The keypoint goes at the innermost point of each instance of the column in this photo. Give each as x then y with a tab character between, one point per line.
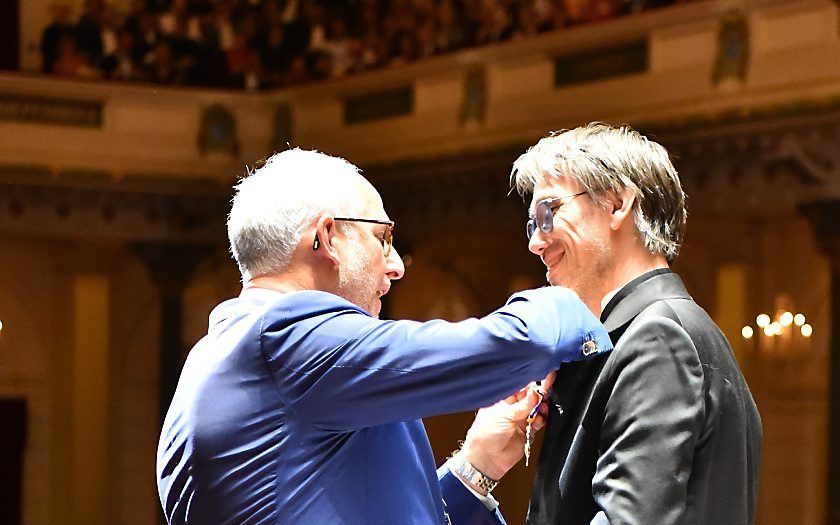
171	267
824	217
731	304
90	401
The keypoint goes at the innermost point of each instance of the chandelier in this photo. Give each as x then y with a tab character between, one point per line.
781	335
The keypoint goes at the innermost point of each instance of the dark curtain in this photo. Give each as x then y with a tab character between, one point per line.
12	443
9	34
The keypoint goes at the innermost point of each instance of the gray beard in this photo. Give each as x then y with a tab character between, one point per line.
357	284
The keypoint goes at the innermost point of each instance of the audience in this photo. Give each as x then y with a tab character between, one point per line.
257	44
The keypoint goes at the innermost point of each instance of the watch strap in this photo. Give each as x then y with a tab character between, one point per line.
472	475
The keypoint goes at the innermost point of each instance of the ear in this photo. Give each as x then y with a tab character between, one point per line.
622	207
324	245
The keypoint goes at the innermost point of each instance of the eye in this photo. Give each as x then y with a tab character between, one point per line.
383	237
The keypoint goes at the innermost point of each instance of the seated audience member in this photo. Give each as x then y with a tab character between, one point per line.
70	62
121	64
60	26
89	32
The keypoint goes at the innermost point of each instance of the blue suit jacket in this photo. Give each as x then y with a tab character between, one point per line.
301	408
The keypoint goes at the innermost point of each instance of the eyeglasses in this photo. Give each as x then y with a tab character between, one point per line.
387	238
544	215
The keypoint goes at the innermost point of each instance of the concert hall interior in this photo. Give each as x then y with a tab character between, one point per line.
125	123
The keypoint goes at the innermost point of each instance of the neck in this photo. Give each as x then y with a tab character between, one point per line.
625	270
288	281
305	271
273	282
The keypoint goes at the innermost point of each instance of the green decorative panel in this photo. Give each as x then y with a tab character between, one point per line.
474	102
218	131
733	49
49	110
601	64
379	105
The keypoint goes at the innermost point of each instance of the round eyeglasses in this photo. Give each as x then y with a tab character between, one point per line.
544	215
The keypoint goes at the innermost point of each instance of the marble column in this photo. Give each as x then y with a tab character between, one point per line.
90	402
824	217
171	266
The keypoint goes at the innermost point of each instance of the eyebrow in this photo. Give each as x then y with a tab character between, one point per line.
535	201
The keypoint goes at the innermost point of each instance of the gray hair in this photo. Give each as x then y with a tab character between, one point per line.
274	204
605	160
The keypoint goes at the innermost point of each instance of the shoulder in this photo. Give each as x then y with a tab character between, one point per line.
656	338
292	308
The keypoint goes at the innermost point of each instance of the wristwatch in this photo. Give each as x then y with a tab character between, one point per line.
472	475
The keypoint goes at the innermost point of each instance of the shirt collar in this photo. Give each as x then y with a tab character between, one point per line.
610	300
607	298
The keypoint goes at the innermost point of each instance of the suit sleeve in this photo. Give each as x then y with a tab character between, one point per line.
462	507
651	424
346	370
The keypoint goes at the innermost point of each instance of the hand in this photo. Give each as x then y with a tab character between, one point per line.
496	439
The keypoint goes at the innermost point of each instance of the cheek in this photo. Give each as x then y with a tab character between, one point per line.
567	232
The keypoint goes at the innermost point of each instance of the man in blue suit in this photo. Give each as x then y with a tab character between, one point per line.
300	406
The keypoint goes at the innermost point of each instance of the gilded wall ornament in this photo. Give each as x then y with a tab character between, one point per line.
474	102
218	131
733	49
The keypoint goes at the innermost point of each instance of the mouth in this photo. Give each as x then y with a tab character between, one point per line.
383	291
552	262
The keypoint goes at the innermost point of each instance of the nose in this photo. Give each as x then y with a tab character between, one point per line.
394	268
537	243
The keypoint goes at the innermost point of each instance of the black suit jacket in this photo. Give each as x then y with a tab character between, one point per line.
662	430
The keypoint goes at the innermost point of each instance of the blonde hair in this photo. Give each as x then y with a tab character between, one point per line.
605	160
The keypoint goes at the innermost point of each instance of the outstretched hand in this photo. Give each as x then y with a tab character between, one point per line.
496	440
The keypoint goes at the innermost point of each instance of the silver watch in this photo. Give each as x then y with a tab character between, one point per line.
472	475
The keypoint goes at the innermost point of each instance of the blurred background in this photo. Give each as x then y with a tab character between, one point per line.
124	123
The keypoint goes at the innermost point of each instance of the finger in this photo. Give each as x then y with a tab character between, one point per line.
538	422
519	396
523	408
542	417
548	381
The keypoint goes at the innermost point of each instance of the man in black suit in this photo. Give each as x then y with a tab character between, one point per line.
664	429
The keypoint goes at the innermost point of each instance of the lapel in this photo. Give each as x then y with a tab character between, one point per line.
655	288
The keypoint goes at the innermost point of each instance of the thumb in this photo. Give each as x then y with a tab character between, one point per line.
520	410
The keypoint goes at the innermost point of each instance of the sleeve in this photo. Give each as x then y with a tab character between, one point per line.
651	424
461	505
347	370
